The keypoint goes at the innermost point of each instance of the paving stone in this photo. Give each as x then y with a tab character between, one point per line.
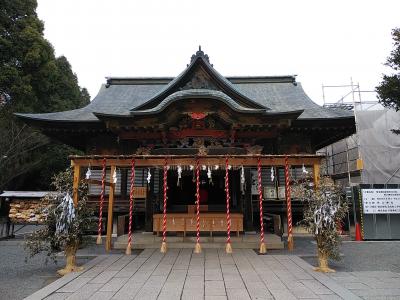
74	285
85	291
128	291
237	294
283	294
316	287
324	279
102	295
257	290
213	274
58	296
378	292
214	288
215	298
103	277
193	294
194	282
177	275
114	284
234	284
330	297
151	288
355	285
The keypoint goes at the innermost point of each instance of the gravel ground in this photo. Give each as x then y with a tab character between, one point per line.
355	256
19	278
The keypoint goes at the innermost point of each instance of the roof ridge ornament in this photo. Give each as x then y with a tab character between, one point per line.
200	53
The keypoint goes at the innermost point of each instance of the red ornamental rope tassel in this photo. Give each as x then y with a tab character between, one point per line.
164	243
228	248
103	181
197	248
131	194
263	248
289	205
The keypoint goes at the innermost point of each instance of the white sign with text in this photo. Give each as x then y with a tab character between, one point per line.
381	201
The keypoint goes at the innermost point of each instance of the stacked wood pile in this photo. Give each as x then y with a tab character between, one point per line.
27	211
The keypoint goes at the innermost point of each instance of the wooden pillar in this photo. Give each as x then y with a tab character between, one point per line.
248	209
316	175
110	211
149	201
77	176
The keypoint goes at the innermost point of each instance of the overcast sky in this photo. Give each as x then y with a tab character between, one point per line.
323	42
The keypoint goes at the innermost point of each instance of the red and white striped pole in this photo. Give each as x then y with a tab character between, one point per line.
263	248
197	248
103	184
164	243
289	206
131	197
228	247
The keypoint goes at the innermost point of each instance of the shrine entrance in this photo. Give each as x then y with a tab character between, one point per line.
182	191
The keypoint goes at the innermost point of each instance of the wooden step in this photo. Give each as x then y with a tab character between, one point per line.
143	241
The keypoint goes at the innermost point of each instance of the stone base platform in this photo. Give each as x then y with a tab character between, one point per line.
141	240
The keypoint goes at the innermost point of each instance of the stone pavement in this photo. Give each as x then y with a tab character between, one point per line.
213	274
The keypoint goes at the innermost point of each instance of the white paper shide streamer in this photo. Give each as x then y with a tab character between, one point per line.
88	173
209	175
179	175
272	174
148	176
114	176
67	215
324	216
304	170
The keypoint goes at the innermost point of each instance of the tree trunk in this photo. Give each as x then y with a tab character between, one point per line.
323	263
70	255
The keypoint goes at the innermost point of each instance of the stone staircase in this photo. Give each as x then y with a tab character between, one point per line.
147	240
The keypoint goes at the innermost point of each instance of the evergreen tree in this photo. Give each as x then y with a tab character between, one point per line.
32	80
389	89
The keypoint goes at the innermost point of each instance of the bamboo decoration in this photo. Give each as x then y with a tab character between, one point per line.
132	191
263	248
103	181
228	248
197	248
289	206
164	243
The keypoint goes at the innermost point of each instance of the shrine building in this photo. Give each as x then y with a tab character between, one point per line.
199	154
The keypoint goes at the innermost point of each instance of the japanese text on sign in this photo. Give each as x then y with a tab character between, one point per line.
381	201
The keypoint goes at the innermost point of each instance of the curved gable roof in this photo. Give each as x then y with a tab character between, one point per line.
200	60
128	96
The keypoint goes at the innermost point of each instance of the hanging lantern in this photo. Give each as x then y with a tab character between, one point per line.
216	167
88	173
103	181
131	197
191	167
164	243
204	167
228	247
263	248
